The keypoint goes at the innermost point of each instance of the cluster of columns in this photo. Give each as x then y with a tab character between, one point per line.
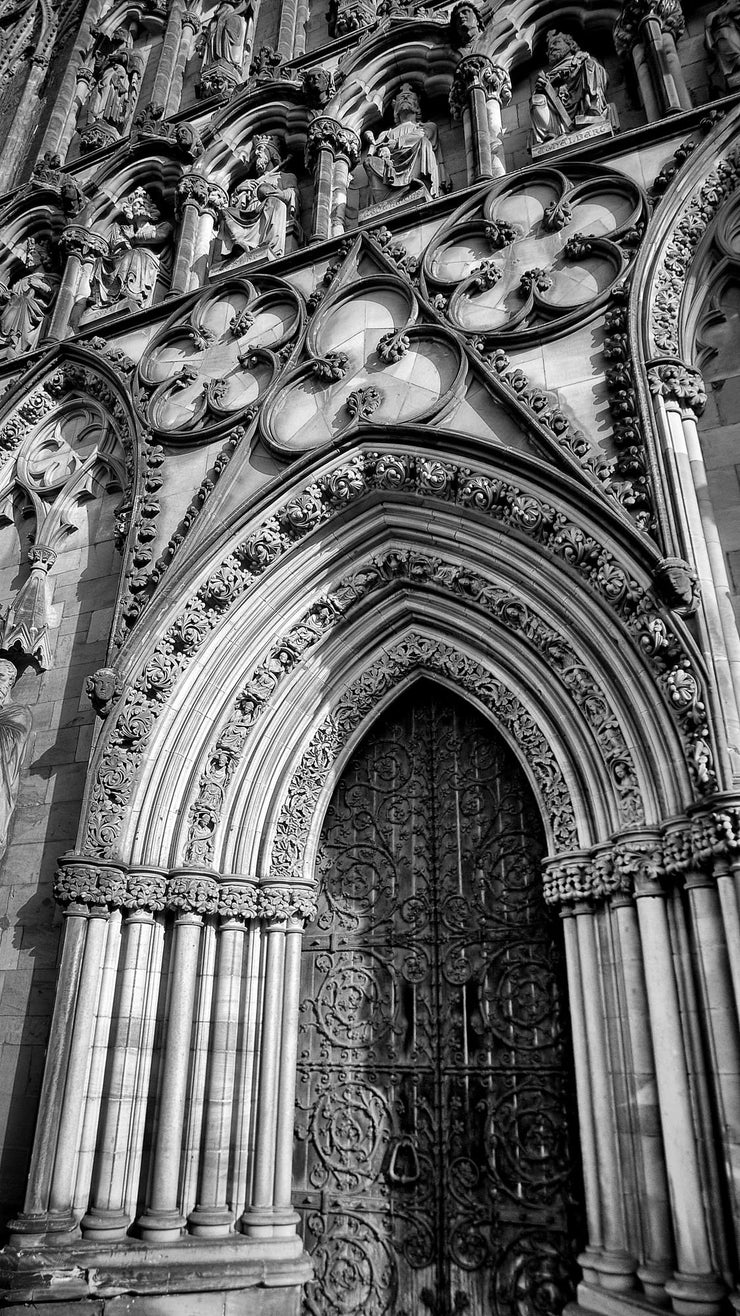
185	985
480	90
650	922
646	34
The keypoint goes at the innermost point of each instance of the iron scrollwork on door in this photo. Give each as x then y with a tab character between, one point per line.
433	1162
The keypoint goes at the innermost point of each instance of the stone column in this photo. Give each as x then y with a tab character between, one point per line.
161	1221
331	152
189	29
210	217
695	1287
646	32
679	398
480	90
83	247
169	51
193	192
34	1219
270	1214
212	1217
108	1217
657	1267
613	1264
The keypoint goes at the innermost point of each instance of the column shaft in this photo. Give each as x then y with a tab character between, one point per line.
288	1057
258	1220
583	1092
161	1221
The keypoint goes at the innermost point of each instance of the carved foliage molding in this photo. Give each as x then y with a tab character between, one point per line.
362	696
693	849
411	570
495	498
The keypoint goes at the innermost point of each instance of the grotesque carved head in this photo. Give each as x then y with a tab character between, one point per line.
318	87
406	105
465	24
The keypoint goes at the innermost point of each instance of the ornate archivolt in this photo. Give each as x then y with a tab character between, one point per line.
510	508
669	389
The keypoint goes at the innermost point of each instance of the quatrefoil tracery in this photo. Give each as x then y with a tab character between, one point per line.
208	371
540	249
370	359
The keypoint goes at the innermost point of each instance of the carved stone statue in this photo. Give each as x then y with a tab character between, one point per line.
15	728
114	90
570	93
132	266
260	207
405	156
466	25
722	36
224	46
24	304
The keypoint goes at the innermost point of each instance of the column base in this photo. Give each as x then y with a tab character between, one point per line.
614	1271
205	1222
653	1276
266	1222
160	1226
105	1226
56	1228
695	1295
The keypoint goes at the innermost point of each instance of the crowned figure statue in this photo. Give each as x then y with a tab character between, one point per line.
261	205
407	156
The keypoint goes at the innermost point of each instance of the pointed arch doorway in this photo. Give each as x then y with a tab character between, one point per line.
434	1156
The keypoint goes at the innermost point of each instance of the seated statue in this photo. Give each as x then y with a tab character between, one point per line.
132	266
406	156
722	36
570	93
25	303
261	206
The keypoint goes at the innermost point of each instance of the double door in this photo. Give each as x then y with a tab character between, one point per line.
433	1158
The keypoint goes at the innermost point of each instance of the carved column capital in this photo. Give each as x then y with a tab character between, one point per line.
195	189
327	134
628	27
84	243
190	19
478	73
281	904
676	382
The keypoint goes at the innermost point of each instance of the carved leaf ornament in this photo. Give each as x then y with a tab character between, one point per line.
369	360
537	250
207	371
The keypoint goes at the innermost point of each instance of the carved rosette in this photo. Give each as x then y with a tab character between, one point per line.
327	135
627	29
478	73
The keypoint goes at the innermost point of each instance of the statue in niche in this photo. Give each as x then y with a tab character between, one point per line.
259	209
466	25
722	37
114	89
224	50
25	303
570	93
15	728
407	156
135	256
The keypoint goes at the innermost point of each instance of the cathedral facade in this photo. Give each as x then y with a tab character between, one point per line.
369	657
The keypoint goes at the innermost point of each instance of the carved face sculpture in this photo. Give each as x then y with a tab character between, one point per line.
406	105
559	46
264	156
465	23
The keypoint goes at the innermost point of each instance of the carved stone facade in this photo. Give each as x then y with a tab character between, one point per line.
370	725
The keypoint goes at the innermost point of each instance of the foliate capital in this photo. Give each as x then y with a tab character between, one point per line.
676	382
478	73
83	242
323	134
628	27
194	189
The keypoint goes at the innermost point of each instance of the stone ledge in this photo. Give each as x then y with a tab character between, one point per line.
236	1275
